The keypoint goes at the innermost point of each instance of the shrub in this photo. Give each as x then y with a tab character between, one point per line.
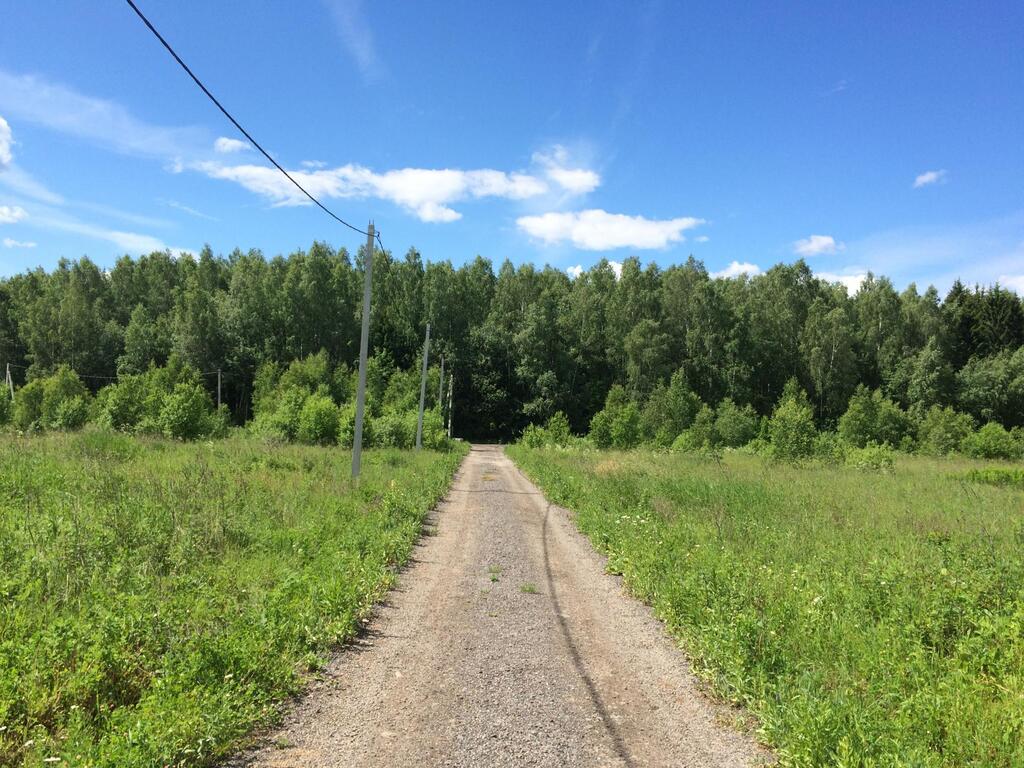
394	430
6	407
347	426
625	427
992	441
792	430
71	414
870	417
872	457
669	411
829	448
186	413
435	438
942	430
28	406
701	434
124	403
318	421
735	426
601	430
1013	478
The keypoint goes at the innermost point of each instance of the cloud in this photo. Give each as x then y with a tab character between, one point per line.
737	268
427	193
702	238
313	164
616	267
1013	282
929	177
9	243
816	245
6	140
226	146
557	167
36	100
597	230
12	214
357	35
850	280
191	211
574	272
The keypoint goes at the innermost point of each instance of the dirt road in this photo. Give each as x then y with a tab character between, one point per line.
506	644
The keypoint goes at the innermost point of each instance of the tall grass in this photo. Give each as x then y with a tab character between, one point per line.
867	619
157	599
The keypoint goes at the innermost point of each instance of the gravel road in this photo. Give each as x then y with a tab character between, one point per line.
506	644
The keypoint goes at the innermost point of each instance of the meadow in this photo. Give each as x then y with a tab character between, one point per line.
865	618
158	599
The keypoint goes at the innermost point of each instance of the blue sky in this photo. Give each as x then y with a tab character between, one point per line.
863	136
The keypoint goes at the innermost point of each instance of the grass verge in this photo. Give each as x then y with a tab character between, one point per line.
867	619
158	599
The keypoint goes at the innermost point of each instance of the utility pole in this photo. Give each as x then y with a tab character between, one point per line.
10	381
440	391
423	389
364	343
451	386
218	389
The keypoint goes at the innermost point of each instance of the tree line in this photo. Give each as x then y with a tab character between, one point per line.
524	343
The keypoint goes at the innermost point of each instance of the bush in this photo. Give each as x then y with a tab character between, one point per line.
701	434
792	430
992	441
871	417
347	426
625	427
318	421
435	438
872	457
1012	478
601	430
6	407
942	430
395	430
124	403
186	413
28	406
669	411
71	414
735	426
829	448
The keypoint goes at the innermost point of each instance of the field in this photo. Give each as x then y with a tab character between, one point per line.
866	619
158	598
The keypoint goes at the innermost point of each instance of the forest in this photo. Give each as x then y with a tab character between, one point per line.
524	343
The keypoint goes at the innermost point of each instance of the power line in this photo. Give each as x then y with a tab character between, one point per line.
237	125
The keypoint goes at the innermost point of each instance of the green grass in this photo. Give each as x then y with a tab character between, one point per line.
866	619
158	599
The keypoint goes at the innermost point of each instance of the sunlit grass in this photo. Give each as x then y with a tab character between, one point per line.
867	619
157	599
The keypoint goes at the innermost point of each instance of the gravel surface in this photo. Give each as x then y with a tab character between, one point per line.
506	644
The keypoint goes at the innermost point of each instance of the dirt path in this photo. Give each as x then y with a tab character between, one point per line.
467	665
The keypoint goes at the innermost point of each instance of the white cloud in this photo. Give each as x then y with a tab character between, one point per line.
574	272
357	35
557	167
737	268
816	245
191	211
598	230
702	238
929	177
36	100
1013	282
11	214
428	193
850	280
226	146
14	178
10	243
6	140
616	268
313	164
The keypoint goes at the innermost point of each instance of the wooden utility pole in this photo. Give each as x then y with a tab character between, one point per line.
10	381
364	343
451	386
440	391
423	389
218	389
